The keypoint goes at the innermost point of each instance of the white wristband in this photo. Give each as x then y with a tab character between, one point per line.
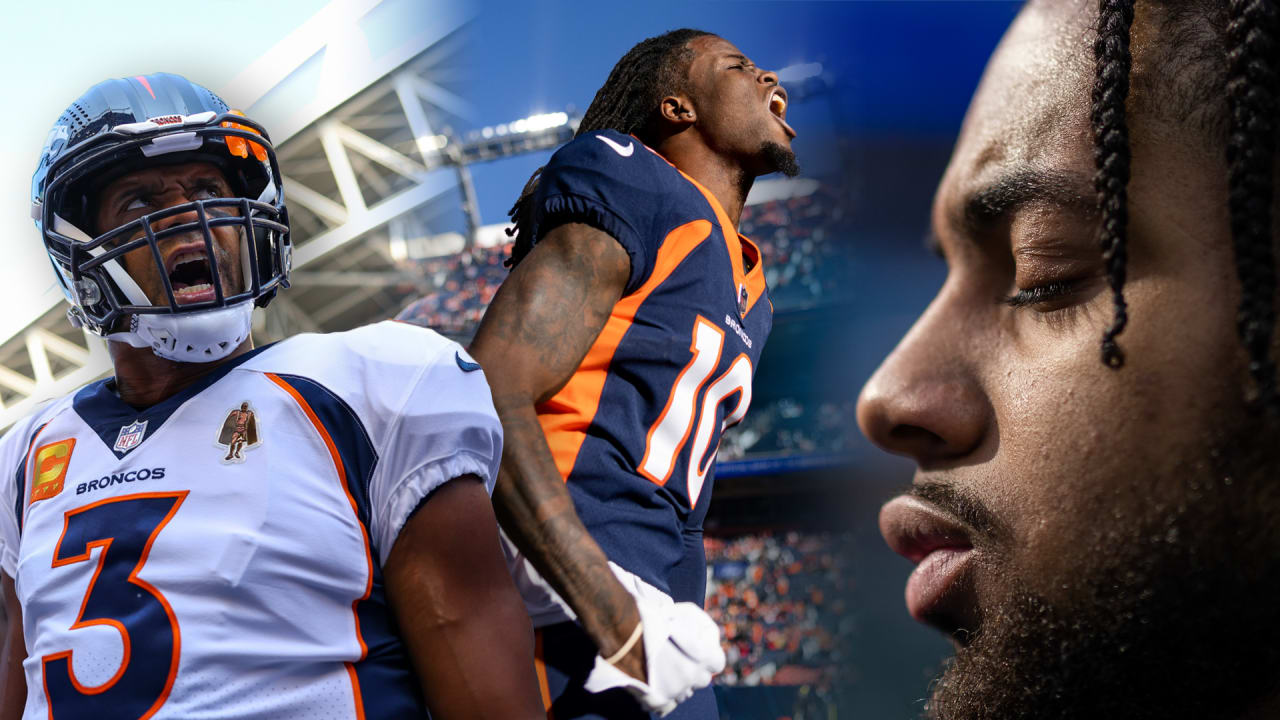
626	648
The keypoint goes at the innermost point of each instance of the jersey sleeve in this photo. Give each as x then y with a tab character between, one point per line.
612	182
13	457
447	428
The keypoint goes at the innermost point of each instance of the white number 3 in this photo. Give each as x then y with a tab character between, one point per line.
669	433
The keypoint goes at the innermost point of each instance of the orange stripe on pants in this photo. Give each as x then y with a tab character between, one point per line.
540	667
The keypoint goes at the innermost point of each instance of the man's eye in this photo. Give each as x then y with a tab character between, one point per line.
207	192
1048	295
138	203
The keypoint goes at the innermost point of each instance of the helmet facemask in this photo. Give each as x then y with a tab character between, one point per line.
104	297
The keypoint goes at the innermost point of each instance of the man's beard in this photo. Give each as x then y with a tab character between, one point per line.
1172	614
780	159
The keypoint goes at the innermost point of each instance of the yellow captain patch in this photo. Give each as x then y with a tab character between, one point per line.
51	463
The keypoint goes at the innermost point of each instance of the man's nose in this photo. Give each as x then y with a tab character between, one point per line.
924	401
175	219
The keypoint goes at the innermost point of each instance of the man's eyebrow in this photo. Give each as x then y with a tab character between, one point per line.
1010	192
739	56
126	185
213	175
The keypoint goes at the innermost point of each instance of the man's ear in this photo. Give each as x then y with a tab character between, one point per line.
678	110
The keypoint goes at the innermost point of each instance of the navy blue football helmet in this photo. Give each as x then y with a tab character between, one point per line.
123	125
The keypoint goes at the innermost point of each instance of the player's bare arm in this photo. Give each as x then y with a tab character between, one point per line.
535	334
456	606
13	692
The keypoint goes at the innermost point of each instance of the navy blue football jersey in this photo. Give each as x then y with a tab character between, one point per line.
635	431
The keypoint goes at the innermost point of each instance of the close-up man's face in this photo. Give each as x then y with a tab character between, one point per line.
741	107
185	256
1095	541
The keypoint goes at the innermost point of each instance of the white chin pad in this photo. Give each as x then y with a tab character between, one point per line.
191	337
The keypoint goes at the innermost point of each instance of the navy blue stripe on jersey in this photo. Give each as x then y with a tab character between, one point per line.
354	446
101	408
387	686
20	478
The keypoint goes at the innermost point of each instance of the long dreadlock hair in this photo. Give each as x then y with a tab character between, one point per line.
627	102
1251	85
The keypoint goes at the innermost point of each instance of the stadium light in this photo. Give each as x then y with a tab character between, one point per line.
531	124
534	123
799	72
434	142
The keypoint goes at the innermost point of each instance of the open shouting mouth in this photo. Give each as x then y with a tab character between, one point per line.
190	274
777	103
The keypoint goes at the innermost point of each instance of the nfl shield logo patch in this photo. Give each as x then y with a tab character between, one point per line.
130	435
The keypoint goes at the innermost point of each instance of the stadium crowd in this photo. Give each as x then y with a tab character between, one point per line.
780	600
802	240
791	425
799	236
465	284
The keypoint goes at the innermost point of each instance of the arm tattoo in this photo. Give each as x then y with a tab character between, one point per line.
540	326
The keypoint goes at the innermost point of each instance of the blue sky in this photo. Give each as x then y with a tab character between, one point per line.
897	66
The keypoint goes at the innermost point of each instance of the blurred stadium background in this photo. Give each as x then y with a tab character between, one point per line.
406	130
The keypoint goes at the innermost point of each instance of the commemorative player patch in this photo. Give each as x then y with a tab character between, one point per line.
239	432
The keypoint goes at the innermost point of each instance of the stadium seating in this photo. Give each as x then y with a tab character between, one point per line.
791	425
466	284
805	263
806	257
780	600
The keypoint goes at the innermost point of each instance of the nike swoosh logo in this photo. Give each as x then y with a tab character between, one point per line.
623	151
466	366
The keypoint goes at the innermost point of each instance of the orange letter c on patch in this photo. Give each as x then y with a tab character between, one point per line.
51	468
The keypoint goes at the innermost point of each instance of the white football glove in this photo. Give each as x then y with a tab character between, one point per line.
681	648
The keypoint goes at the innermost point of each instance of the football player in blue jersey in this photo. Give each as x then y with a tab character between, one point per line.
296	531
618	350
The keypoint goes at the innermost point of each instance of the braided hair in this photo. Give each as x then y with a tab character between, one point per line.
627	102
1111	155
1251	87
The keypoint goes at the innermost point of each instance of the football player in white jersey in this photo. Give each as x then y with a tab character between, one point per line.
301	530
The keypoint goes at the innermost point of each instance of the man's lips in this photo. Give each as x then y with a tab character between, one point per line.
776	102
191	290
180	252
939	591
194	294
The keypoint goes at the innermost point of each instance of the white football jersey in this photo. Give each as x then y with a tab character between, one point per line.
219	555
